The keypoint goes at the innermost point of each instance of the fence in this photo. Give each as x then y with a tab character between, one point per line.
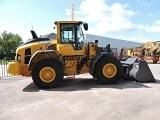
4	59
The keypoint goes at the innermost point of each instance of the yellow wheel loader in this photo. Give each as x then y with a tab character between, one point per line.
147	51
48	61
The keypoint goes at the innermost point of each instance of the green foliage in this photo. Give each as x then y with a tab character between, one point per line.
9	41
4	62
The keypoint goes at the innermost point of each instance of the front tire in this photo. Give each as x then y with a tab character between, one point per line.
108	70
155	61
47	73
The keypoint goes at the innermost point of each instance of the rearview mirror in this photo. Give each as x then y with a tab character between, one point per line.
85	26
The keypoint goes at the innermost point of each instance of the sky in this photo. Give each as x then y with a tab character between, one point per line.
133	20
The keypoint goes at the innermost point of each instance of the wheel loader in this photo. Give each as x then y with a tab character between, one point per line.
147	51
48	61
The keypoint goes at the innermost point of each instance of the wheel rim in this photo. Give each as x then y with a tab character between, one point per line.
47	74
109	70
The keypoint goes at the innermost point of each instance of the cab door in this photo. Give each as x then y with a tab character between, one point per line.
71	42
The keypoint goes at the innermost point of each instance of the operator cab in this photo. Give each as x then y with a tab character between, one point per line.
71	33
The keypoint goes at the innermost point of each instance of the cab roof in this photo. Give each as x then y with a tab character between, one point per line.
67	22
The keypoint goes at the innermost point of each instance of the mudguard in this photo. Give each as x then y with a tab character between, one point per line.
38	55
94	61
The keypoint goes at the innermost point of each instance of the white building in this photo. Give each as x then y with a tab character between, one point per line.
114	43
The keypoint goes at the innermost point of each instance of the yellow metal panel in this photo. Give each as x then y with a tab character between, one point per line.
92	50
14	68
70	67
67	50
58	33
129	52
34	47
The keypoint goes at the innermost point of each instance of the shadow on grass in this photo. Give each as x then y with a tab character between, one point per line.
88	84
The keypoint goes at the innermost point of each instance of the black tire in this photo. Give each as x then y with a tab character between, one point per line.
51	65
102	79
155	62
93	75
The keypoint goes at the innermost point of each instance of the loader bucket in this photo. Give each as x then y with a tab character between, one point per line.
141	72
127	66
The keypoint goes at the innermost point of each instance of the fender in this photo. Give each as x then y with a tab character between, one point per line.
95	60
43	54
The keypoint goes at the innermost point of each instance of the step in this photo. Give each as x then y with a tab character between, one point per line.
71	76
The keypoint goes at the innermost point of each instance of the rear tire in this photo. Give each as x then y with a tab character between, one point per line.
47	73
108	70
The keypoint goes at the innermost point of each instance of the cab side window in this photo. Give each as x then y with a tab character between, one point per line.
67	33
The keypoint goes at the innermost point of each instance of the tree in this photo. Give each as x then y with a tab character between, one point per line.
9	42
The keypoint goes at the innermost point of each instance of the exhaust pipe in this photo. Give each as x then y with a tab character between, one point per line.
34	35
